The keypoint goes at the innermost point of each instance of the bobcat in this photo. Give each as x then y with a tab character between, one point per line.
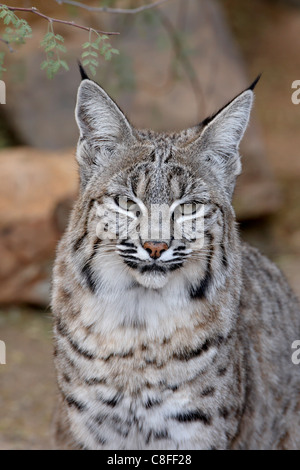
163	341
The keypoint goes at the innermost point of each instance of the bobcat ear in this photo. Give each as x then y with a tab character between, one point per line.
97	115
104	129
221	136
83	73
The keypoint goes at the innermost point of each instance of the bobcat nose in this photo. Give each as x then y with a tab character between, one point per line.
155	249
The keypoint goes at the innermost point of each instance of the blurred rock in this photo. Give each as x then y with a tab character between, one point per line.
211	73
35	185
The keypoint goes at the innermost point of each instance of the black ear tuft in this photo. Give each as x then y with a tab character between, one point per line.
213	116
83	73
251	87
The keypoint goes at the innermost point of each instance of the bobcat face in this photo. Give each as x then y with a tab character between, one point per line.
155	213
155	231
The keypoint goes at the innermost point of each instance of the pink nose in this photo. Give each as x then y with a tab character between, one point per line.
155	249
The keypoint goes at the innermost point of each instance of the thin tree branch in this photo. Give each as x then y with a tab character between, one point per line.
54	20
186	64
7	44
127	11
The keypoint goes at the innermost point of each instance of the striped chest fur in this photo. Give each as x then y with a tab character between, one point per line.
169	333
151	385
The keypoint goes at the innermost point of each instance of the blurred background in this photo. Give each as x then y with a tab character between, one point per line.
177	63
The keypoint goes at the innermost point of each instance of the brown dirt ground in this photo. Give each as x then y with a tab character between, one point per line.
27	380
268	33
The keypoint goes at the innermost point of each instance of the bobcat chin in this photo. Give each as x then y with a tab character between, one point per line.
169	331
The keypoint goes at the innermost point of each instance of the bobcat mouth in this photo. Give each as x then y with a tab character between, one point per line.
152	267
129	254
155	268
152	275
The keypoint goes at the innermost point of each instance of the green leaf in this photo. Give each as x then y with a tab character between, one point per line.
48	36
50	47
85	54
44	64
58	37
18	23
93	70
50	73
2	69
7	19
56	66
61	48
104	48
64	64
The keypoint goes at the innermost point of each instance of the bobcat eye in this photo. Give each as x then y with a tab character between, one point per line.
126	204
189	209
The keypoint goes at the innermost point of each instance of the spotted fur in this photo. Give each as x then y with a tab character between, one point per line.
189	351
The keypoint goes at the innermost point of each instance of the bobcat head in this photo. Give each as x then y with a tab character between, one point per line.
159	202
